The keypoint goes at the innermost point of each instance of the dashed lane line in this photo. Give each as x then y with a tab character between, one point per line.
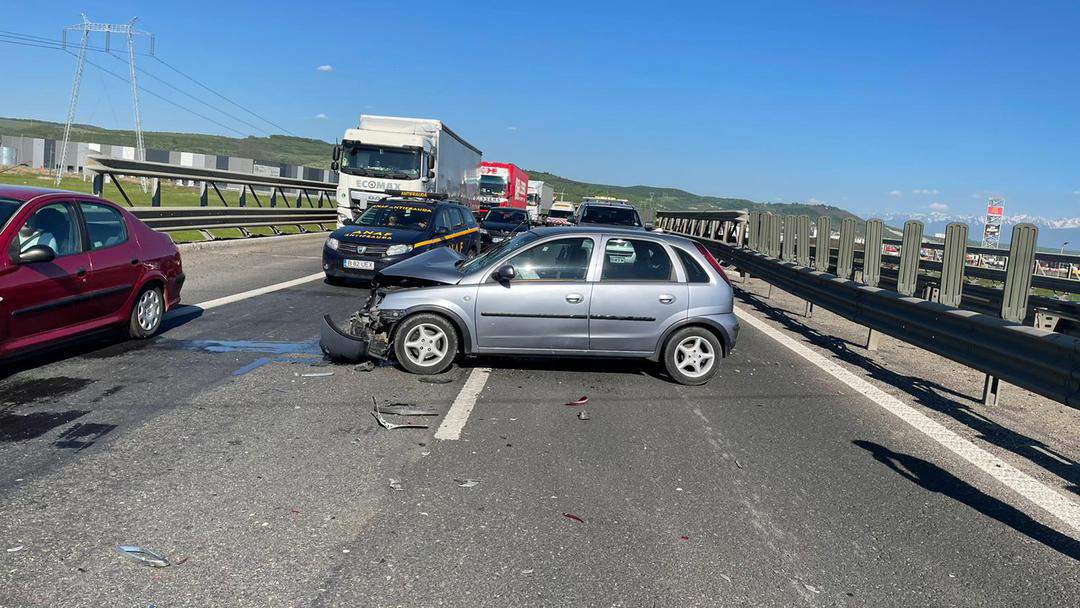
1023	484
458	415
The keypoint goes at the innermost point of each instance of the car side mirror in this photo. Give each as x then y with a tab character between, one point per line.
650	227
431	174
442	230
505	273
37	253
337	152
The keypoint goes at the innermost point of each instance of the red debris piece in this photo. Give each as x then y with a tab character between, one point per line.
295	510
684	538
581	401
182	560
573	517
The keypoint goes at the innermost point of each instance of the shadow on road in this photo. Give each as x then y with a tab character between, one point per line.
592	365
932	395
935	479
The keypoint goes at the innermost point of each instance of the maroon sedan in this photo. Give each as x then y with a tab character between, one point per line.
71	263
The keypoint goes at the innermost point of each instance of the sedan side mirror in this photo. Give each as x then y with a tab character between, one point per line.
37	253
505	273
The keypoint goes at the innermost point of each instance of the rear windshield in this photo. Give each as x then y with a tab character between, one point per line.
396	215
506	216
619	216
7	209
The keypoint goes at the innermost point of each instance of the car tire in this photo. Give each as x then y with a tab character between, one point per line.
425	344
147	313
692	356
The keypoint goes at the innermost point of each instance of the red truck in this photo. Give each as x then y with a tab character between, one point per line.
501	185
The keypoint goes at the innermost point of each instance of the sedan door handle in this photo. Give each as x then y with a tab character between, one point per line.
666	298
574	298
134	261
80	272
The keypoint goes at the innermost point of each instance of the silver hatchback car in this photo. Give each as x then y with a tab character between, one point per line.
584	291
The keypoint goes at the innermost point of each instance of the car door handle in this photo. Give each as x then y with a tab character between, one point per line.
80	272
134	261
574	298
666	298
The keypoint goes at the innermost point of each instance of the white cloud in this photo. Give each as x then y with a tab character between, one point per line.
814	201
926	191
939	206
1076	192
896	193
325	68
320	116
511	128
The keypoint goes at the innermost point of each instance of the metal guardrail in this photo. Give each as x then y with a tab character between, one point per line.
1002	347
204	217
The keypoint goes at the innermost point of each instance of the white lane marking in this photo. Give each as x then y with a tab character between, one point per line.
236	297
1023	484
458	415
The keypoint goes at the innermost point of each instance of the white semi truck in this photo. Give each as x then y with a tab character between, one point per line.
539	200
387	153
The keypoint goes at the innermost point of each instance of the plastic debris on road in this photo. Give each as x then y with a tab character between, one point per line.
684	538
395	484
436	379
408	409
14	549
145	557
366	366
582	401
386	424
467	483
583	415
573	517
317	375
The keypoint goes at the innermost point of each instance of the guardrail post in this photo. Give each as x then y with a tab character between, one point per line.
908	277
872	253
243	196
802	240
951	289
155	196
713	225
788	243
774	235
824	242
1014	295
845	256
740	235
273	197
204	194
98	184
753	230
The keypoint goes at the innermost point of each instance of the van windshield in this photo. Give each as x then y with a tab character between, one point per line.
378	161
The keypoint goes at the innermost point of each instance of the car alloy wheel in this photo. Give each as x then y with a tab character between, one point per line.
694	356
148	310
425	345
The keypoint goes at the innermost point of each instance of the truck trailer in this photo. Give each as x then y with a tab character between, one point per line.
501	185
539	200
388	153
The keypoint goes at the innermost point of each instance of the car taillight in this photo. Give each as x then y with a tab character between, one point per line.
712	262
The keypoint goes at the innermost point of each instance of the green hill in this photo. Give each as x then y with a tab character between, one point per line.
316	153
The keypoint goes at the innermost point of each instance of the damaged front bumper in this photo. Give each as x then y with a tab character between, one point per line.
366	334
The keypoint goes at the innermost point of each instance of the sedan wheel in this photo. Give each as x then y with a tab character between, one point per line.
147	313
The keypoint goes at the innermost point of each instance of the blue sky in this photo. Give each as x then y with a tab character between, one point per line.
872	106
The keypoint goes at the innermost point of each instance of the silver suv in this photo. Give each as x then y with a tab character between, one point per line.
582	291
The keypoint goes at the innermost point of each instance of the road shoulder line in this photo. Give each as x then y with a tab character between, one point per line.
458	414
251	293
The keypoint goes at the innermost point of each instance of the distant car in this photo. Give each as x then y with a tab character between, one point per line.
560	214
397	228
608	213
71	263
502	223
578	291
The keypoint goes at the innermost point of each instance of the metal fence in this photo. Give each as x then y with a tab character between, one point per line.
782	252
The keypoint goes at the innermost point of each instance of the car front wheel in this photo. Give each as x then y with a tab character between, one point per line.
692	355
147	313
425	344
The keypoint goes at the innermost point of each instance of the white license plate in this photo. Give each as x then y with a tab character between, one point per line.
360	264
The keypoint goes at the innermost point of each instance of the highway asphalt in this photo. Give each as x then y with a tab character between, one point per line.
220	445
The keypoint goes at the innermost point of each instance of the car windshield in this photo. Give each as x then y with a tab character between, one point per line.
377	161
505	216
496	253
7	209
563	213
492	184
618	216
397	216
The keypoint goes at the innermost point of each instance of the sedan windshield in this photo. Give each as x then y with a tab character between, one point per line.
618	216
506	216
7	209
397	216
493	185
496	253
377	161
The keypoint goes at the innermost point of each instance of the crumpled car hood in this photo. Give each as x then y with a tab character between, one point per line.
436	265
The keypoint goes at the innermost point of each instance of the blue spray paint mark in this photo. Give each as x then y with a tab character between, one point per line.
310	347
254	365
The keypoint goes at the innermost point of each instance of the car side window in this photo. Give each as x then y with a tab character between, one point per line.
458	219
694	272
104	225
53	226
559	260
442	219
636	260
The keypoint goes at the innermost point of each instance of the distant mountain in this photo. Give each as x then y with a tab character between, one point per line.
1053	232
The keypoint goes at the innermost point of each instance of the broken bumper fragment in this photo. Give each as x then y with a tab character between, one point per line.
340	345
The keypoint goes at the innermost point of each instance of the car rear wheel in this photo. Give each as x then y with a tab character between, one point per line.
692	355
425	344
147	313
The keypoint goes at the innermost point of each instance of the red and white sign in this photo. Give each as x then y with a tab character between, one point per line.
997	210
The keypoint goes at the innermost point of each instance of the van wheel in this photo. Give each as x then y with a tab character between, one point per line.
692	355
147	313
425	344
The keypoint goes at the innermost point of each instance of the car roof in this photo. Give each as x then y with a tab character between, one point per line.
598	230
607	204
417	201
28	193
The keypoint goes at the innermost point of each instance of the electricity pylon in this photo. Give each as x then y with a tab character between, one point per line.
128	31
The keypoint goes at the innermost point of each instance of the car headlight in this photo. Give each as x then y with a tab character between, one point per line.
398	249
333	243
